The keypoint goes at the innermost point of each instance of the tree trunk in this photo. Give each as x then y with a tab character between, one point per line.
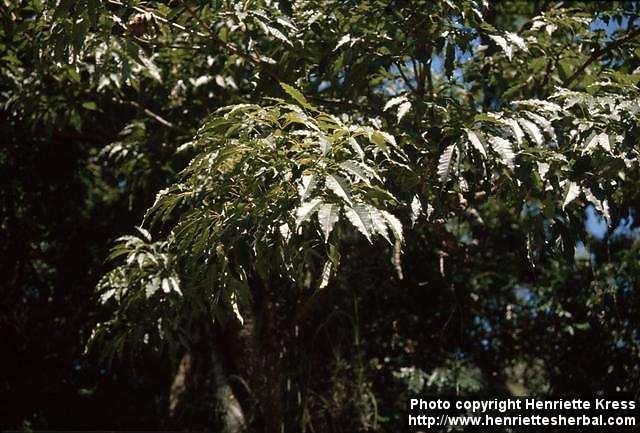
201	397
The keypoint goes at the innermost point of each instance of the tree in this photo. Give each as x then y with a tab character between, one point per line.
385	159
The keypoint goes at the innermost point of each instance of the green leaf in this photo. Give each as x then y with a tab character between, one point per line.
504	149
357	170
297	95
339	186
90	105
378	222
306	210
394	101
403	109
356	147
360	217
517	131
475	142
307	186
533	130
328	216
444	163
394	224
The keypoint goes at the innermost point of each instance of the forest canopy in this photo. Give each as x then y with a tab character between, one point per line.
293	216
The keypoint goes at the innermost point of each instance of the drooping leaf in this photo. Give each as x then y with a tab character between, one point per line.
328	216
378	222
394	101
343	40
517	131
533	130
444	163
326	274
356	147
403	109
394	224
306	210
306	187
572	191
504	149
357	170
475	142
359	216
502	43
416	209
601	140
339	186
296	95
516	40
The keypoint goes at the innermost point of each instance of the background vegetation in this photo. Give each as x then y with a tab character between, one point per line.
400	197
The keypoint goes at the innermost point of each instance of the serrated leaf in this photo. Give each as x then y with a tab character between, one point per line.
279	35
502	42
151	68
504	149
388	137
343	40
378	222
339	186
403	109
356	170
233	300
285	232
286	23
516	40
328	216
601	140
572	192
541	121
145	233
325	145
307	186
444	163
416	209
356	147
359	216
152	287
297	95
518	133
394	101
475	142
394	224
269	30
543	169
306	210
533	130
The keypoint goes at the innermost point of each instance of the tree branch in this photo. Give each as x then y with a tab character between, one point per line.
404	77
155	116
601	52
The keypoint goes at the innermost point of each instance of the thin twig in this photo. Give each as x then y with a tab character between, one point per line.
404	77
155	116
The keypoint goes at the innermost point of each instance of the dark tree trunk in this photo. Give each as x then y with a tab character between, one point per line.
201	397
